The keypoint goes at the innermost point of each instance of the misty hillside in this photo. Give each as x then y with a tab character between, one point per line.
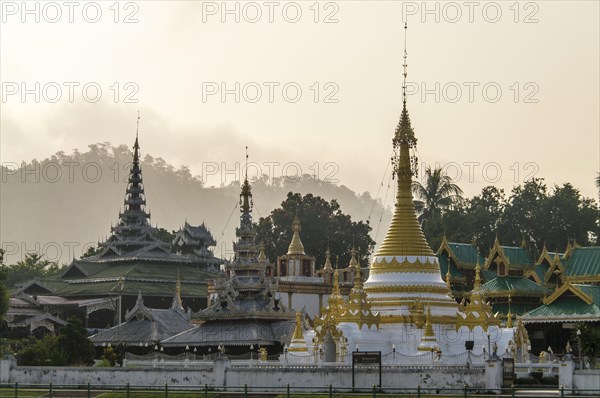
60	204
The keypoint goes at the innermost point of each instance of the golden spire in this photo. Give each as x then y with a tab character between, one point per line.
358	309
358	281
336	283
477	283
477	312
298	328
428	326
298	344
448	283
428	341
404	236
296	246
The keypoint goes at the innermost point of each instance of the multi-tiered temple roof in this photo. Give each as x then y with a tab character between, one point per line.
244	310
133	259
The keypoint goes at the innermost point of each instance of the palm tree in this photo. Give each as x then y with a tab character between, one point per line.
437	195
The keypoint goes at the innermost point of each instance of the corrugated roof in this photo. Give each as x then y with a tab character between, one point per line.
517	256
568	307
584	261
165	323
466	253
516	285
234	333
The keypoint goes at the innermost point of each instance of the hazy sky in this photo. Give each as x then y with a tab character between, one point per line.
177	59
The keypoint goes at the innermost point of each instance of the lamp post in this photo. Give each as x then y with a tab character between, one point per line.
394	352
489	343
251	351
356	347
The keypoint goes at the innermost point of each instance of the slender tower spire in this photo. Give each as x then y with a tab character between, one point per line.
133	231
404	266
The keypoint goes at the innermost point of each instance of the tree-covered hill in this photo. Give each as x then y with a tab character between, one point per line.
60	205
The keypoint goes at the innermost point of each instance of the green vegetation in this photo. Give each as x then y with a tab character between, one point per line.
70	347
532	213
590	341
4	301
32	267
323	224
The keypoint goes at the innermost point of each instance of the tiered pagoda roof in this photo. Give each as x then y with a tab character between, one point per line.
133	236
245	309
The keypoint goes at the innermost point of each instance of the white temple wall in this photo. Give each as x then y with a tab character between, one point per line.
586	380
110	376
319	378
303	301
364	377
406	338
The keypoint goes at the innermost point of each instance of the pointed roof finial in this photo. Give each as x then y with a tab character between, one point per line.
405	66
296	246
136	145
246	166
246	194
137	128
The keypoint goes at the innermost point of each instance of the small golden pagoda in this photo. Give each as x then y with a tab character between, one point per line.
298	344
296	262
477	312
332	314
428	341
358	309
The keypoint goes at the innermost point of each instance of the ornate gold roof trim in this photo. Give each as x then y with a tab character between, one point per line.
574	289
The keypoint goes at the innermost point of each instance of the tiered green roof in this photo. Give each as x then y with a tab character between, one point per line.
513	286
583	263
571	302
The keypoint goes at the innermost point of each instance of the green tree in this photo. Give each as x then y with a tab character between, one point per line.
566	215
43	352
435	197
91	251
165	235
33	266
4	298
590	341
523	213
73	340
484	212
323	224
